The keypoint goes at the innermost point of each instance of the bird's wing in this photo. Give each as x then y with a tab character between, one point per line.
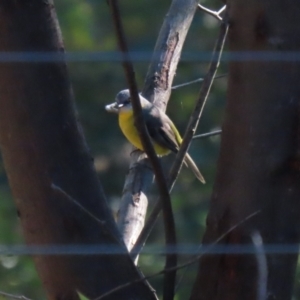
160	129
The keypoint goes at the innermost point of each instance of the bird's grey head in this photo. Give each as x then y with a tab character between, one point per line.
123	99
123	103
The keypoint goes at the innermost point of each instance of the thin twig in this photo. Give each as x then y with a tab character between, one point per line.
58	189
213	13
175	87
262	266
19	297
208	134
203	95
184	265
257	250
170	233
222	9
66	196
202	98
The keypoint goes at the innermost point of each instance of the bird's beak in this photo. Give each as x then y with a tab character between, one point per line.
113	107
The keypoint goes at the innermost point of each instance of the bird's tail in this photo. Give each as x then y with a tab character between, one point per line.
191	164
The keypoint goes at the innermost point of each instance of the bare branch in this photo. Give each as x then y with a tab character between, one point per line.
208	134
262	266
175	87
213	13
18	297
170	233
203	95
66	196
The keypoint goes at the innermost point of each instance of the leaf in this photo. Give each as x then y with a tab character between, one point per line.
82	297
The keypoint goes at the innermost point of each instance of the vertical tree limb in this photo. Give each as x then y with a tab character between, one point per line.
46	158
258	167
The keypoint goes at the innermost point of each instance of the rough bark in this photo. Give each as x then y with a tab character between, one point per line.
258	167
49	166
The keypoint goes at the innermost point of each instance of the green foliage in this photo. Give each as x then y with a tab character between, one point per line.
82	297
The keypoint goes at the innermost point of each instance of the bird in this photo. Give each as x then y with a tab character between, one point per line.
162	131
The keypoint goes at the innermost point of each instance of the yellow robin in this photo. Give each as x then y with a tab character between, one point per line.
162	131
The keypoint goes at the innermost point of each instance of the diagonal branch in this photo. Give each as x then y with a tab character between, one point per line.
203	95
11	296
170	234
208	134
175	87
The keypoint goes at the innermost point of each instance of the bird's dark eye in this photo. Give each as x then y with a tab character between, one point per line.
124	103
127	101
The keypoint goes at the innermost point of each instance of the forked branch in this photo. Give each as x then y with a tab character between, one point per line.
216	14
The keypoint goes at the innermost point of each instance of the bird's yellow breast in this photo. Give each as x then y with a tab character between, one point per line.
126	123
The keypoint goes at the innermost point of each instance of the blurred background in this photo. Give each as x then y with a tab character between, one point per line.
96	78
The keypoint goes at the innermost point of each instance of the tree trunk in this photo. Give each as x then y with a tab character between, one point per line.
258	167
48	163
